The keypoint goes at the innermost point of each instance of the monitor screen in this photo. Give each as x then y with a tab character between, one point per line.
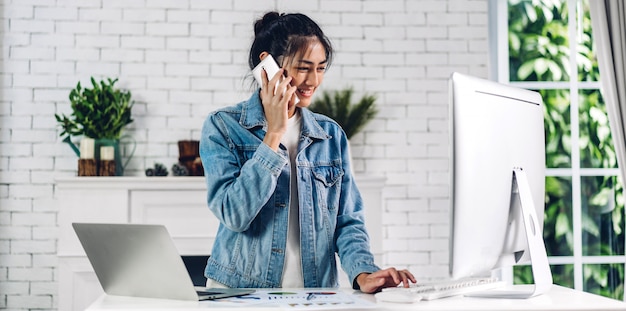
496	130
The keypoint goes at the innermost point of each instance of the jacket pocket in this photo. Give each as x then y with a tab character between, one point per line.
327	184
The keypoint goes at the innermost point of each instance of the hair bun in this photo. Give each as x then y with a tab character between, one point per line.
267	19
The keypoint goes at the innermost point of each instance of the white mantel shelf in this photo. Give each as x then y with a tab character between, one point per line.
177	202
170	182
139	182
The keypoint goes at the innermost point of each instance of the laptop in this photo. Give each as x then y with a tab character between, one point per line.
140	260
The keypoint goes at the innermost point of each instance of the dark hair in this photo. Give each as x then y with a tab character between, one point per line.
285	35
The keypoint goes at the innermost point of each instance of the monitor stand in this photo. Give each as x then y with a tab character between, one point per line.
536	248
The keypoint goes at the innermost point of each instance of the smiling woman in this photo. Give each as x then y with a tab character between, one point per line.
279	179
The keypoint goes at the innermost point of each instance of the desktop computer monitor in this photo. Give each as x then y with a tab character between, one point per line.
497	180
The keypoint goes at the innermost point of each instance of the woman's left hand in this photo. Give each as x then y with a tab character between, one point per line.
390	277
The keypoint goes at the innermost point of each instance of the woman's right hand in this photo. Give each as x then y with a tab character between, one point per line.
276	107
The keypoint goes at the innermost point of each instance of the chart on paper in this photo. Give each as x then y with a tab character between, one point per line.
299	300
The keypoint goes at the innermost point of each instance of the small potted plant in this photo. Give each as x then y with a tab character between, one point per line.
100	113
352	117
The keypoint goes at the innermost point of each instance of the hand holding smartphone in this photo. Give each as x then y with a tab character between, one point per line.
271	68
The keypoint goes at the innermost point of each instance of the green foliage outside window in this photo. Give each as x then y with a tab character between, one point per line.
539	50
538	41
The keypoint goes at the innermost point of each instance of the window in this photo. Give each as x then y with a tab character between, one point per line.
547	46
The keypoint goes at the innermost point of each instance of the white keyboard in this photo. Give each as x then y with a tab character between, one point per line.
436	290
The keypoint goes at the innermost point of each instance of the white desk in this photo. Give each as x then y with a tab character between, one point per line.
179	203
559	298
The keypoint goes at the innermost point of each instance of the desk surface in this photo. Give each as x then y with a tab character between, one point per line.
559	298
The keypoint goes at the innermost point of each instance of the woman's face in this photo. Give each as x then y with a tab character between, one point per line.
307	71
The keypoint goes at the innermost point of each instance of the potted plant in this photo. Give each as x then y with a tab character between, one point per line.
352	117
100	113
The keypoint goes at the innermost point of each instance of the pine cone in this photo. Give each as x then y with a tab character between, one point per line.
160	170
179	170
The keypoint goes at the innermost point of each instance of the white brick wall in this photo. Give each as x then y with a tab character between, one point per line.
183	59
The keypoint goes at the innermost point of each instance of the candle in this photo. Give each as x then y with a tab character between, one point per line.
107	153
87	148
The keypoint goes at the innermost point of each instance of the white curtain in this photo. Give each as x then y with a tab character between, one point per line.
608	23
608	19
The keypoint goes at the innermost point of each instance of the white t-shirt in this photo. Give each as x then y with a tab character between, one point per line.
292	271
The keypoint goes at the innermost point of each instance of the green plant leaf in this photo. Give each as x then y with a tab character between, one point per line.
98	112
338	106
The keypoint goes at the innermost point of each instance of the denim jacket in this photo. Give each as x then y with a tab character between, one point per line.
248	191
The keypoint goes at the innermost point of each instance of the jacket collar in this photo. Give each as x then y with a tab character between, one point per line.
252	115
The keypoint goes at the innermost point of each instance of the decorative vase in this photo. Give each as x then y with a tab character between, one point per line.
117	155
189	156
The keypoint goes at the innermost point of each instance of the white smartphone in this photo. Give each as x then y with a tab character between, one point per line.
271	67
